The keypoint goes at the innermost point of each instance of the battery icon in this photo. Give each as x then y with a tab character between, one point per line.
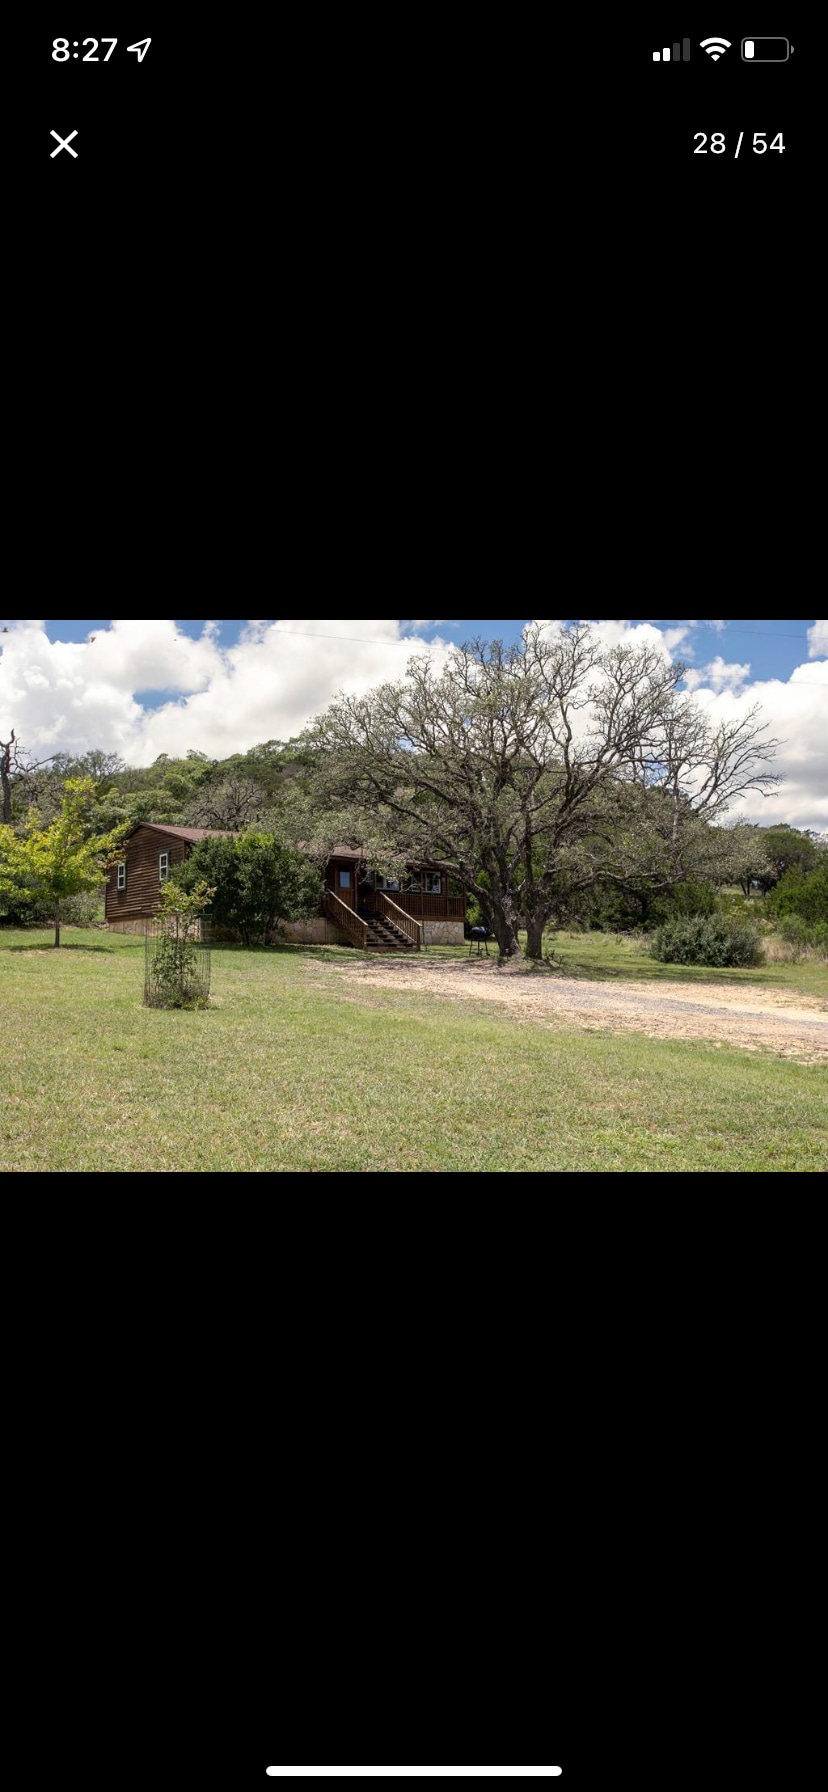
765	49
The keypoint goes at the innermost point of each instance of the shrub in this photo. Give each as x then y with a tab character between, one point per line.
683	901
804	937
806	897
736	907
707	939
259	884
607	909
28	909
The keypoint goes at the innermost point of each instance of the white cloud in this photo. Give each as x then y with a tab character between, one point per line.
69	696
718	676
794	711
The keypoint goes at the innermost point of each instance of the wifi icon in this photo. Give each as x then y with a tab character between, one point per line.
715	46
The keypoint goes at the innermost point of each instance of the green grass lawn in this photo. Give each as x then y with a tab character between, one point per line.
294	1070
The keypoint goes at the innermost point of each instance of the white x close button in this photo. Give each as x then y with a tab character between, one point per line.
63	143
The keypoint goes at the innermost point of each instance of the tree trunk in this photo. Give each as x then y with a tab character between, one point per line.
503	928
534	937
5	779
499	918
57	925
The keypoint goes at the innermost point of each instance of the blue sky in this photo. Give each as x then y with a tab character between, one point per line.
772	648
142	688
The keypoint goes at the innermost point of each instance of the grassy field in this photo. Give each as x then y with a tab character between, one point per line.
293	1070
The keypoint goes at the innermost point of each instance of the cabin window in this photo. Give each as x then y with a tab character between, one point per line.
163	867
433	883
415	884
388	883
122	877
344	880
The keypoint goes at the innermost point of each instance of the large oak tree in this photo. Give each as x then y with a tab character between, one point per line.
535	770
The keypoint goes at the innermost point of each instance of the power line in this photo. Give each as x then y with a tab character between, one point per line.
765	634
376	641
362	640
387	641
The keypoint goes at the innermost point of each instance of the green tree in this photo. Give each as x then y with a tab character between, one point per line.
536	771
785	849
259	884
177	971
805	896
60	860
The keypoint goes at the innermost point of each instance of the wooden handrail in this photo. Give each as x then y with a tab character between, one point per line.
430	908
406	923
345	917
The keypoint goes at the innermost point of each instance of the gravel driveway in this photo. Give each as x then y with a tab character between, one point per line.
790	1024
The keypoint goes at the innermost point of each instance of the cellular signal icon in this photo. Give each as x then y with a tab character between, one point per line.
715	46
680	53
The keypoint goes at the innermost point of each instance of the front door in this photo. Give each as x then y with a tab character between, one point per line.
365	895
344	880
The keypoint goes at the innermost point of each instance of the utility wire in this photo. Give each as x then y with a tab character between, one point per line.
386	641
376	641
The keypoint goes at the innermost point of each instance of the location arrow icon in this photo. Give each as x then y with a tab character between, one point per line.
141	47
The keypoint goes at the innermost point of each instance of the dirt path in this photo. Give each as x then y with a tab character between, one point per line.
792	1025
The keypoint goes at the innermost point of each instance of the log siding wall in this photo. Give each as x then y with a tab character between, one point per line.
142	896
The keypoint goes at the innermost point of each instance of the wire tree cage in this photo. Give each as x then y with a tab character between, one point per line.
177	962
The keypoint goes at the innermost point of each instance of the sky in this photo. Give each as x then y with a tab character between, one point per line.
145	688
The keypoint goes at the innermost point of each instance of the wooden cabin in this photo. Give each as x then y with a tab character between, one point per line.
423	908
134	885
358	907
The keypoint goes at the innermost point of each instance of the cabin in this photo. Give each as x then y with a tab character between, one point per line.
134	884
358	907
423	908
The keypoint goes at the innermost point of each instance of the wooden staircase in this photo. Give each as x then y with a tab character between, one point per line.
388	929
385	936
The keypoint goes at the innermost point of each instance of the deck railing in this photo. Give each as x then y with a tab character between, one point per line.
390	908
431	908
346	918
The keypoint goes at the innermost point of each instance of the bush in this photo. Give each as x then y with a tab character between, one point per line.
606	909
806	897
258	883
707	939
736	907
684	901
804	937
29	909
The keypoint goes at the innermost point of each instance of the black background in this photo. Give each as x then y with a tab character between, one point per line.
727	96
120	108
412	144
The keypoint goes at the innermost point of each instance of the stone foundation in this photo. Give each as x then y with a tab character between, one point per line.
318	932
443	933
